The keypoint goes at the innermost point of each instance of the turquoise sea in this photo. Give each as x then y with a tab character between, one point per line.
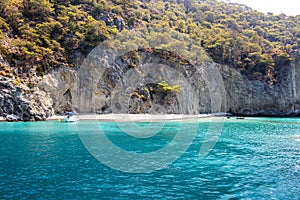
254	158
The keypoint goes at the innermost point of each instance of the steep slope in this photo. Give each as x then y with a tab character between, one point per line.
43	44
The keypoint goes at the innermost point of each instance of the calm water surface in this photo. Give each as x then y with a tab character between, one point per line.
255	158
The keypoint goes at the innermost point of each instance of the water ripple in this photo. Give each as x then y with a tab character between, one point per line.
252	160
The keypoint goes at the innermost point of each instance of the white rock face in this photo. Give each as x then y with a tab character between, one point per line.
106	87
103	86
60	85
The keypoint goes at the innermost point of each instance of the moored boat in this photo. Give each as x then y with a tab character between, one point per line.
70	119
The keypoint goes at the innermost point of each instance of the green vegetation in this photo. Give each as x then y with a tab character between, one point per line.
39	35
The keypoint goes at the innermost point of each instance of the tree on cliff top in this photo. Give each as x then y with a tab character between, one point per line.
38	35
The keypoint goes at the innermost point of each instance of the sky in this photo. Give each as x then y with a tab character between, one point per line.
289	7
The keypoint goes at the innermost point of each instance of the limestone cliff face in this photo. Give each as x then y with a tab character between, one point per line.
104	87
255	97
247	97
295	82
60	85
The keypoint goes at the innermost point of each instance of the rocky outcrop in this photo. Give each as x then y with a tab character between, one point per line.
245	97
257	98
149	86
120	87
117	85
26	106
60	85
18	102
111	19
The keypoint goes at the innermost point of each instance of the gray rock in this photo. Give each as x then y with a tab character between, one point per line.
59	87
111	19
245	97
26	106
105	87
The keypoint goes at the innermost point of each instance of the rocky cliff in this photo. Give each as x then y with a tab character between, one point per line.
154	85
117	87
245	97
20	102
17	101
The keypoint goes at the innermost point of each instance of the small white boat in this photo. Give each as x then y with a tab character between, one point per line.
70	119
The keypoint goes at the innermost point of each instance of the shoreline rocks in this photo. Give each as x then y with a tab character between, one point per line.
16	105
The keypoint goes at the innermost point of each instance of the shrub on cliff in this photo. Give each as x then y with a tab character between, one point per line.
38	35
